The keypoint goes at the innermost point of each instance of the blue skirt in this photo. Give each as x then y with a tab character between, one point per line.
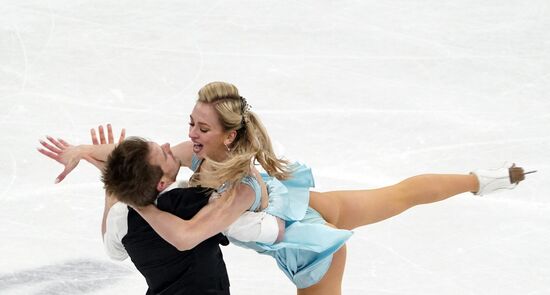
305	253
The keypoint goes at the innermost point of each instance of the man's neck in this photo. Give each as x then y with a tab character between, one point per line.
171	185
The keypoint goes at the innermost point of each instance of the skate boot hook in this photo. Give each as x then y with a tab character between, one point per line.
506	177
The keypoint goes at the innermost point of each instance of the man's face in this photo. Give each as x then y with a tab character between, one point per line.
161	155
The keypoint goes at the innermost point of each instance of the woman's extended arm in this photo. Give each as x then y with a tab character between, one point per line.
183	152
210	220
69	155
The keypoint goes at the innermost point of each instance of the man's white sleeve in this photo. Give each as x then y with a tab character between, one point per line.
116	229
254	227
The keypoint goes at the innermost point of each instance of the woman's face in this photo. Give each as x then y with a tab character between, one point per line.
206	132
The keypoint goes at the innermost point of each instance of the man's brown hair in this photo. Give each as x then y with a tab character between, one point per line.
128	176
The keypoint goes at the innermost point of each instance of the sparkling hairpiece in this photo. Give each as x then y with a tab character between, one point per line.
245	107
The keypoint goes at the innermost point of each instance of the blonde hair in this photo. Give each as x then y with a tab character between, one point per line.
252	143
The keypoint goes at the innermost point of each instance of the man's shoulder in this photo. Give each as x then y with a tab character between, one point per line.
187	193
184	202
118	209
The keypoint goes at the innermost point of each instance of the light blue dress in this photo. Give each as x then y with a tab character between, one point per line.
305	253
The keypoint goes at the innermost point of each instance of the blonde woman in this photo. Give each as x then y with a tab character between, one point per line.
227	139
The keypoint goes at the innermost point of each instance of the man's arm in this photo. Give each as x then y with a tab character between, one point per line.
114	227
109	202
210	220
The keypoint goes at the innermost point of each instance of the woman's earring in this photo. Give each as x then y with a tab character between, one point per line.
228	149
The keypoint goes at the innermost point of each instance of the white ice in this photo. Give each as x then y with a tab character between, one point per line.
366	92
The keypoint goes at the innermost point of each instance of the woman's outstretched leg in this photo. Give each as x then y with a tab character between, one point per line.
351	209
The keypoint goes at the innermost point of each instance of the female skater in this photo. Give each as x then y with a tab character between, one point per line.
227	138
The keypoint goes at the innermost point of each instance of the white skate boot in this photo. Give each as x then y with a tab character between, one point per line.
506	177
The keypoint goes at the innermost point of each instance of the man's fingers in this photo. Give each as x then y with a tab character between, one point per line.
110	136
122	135
101	135
110	139
94	136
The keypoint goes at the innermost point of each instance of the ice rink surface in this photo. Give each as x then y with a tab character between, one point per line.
365	92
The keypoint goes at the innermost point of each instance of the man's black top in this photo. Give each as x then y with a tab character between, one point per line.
200	270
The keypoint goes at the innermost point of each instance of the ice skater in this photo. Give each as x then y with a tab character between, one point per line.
200	270
227	138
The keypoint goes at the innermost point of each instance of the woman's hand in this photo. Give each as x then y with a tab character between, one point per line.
62	152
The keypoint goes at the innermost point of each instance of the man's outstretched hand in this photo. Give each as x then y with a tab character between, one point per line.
110	140
110	136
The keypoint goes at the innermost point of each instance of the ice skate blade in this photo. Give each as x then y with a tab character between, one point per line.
517	174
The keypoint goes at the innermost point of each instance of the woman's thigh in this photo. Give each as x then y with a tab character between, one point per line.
351	209
331	283
326	206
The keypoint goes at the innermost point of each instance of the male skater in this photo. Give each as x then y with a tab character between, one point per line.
134	174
